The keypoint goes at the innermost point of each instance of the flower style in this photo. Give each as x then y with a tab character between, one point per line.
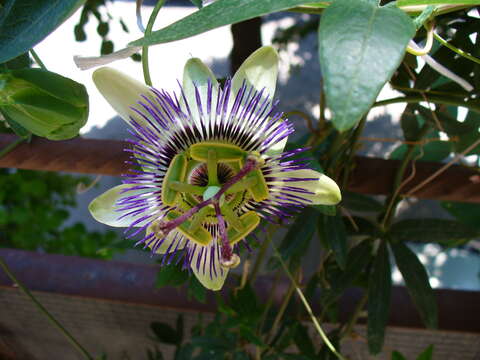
212	164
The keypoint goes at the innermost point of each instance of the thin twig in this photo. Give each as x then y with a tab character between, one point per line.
307	306
443	168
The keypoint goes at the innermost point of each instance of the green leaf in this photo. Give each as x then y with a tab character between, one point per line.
20	62
16	127
329	210
197	290
44	103
244	303
466	213
360	46
171	275
359	202
397	356
358	258
332	230
379	289
24	23
165	333
197	3
218	13
296	241
426	230
363	227
303	341
427	354
436	2
416	280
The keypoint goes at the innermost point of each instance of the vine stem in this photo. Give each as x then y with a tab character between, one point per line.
443	168
261	254
42	309
397	182
307	306
455	49
37	59
148	30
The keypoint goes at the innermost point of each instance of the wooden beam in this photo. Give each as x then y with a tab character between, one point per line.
107	157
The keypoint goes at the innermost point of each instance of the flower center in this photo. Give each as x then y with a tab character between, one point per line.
208	185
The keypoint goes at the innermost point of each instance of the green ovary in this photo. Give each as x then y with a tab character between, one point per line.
197	175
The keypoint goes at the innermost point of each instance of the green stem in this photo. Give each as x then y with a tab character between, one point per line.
431	98
455	49
261	254
281	311
148	30
393	199
37	59
356	314
307	306
11	146
269	300
352	149
42	309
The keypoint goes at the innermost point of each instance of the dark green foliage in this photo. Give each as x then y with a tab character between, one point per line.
360	202
295	243
379	289
33	210
333	233
24	23
171	275
447	232
416	280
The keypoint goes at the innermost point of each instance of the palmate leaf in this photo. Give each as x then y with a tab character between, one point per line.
360	46
24	23
218	13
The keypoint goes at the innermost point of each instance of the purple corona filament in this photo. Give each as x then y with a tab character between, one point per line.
169	125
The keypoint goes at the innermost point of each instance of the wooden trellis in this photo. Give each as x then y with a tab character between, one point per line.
370	175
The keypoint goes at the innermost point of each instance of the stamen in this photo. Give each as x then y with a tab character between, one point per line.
212	163
252	163
228	259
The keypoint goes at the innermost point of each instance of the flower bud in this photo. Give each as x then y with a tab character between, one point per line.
44	103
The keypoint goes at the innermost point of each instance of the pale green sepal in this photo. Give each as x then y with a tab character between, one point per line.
324	190
122	92
259	70
104	209
197	73
216	281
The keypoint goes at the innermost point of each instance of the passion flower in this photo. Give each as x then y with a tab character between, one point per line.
212	164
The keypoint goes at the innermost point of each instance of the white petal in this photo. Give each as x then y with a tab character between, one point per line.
212	277
173	235
196	73
121	91
324	191
278	148
105	210
259	70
